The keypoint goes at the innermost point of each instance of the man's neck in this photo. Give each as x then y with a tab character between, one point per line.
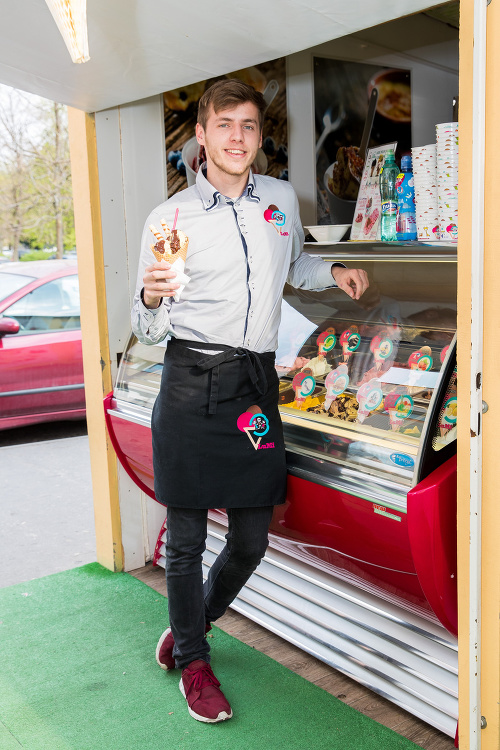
231	186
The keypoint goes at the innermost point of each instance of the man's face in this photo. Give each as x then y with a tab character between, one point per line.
231	139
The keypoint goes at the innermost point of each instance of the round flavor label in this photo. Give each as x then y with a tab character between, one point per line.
370	395
420	361
403	406
337	381
329	342
450	412
353	342
425	363
374	399
385	348
305	383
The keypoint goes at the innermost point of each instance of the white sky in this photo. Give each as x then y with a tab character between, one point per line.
26	108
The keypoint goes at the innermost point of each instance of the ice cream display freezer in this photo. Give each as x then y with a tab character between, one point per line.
361	567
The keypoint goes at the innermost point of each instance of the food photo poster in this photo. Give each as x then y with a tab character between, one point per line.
342	92
181	108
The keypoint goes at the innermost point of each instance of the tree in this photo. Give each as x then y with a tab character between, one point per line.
35	178
16	200
51	174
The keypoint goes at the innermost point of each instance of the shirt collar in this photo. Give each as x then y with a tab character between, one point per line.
211	196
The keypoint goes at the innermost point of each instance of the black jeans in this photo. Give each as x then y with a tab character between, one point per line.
193	604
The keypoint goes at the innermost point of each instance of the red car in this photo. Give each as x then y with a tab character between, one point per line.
41	368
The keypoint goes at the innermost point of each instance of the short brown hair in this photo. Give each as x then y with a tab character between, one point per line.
227	94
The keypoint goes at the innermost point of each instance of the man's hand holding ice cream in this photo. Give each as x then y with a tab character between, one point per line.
159	281
170	251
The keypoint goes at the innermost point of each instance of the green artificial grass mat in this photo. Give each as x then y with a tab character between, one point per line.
77	672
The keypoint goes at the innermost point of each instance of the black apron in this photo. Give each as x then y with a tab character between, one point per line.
217	433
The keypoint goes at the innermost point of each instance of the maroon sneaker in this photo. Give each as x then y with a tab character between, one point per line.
201	689
165	647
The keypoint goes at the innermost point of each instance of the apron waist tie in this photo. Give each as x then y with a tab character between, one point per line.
254	366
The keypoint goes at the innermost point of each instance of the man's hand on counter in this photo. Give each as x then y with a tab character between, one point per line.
159	282
353	281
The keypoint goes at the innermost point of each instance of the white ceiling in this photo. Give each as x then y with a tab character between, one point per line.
139	48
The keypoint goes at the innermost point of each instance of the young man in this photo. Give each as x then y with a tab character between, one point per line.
219	384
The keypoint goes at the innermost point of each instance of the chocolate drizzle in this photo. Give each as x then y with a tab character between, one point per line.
160	246
175	243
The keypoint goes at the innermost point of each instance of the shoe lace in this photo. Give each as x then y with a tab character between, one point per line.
203	677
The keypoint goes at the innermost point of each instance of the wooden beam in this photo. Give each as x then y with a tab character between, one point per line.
94	319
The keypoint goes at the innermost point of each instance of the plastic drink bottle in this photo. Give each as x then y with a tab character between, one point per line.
389	198
406	225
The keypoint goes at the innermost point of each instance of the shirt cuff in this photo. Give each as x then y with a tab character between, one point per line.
324	278
152	310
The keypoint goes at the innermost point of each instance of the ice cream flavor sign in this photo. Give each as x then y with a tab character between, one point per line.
303	384
449	415
399	407
336	382
326	341
369	398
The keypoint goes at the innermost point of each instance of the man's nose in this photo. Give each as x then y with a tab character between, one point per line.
237	134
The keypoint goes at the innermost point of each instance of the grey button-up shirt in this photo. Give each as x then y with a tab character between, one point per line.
240	254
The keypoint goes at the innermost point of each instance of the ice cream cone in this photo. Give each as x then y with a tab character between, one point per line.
395	421
299	401
362	414
172	257
162	250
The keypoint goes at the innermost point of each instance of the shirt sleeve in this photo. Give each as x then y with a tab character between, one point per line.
307	271
150	326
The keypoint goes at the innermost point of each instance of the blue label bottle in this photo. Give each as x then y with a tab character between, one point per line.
406	225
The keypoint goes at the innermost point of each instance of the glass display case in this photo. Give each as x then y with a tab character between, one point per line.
363	392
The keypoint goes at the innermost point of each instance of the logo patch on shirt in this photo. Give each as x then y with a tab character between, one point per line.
256	425
276	218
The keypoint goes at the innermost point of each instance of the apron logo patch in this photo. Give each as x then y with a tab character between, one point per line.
256	425
276	218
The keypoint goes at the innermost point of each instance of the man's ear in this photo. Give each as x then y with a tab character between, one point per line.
200	134
260	141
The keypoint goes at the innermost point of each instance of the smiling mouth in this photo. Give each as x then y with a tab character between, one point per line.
235	152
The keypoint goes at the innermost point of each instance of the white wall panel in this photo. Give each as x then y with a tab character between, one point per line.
132	180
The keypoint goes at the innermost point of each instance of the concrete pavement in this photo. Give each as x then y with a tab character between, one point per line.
46	510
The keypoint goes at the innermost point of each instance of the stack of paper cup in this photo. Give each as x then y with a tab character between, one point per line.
426	192
447	174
